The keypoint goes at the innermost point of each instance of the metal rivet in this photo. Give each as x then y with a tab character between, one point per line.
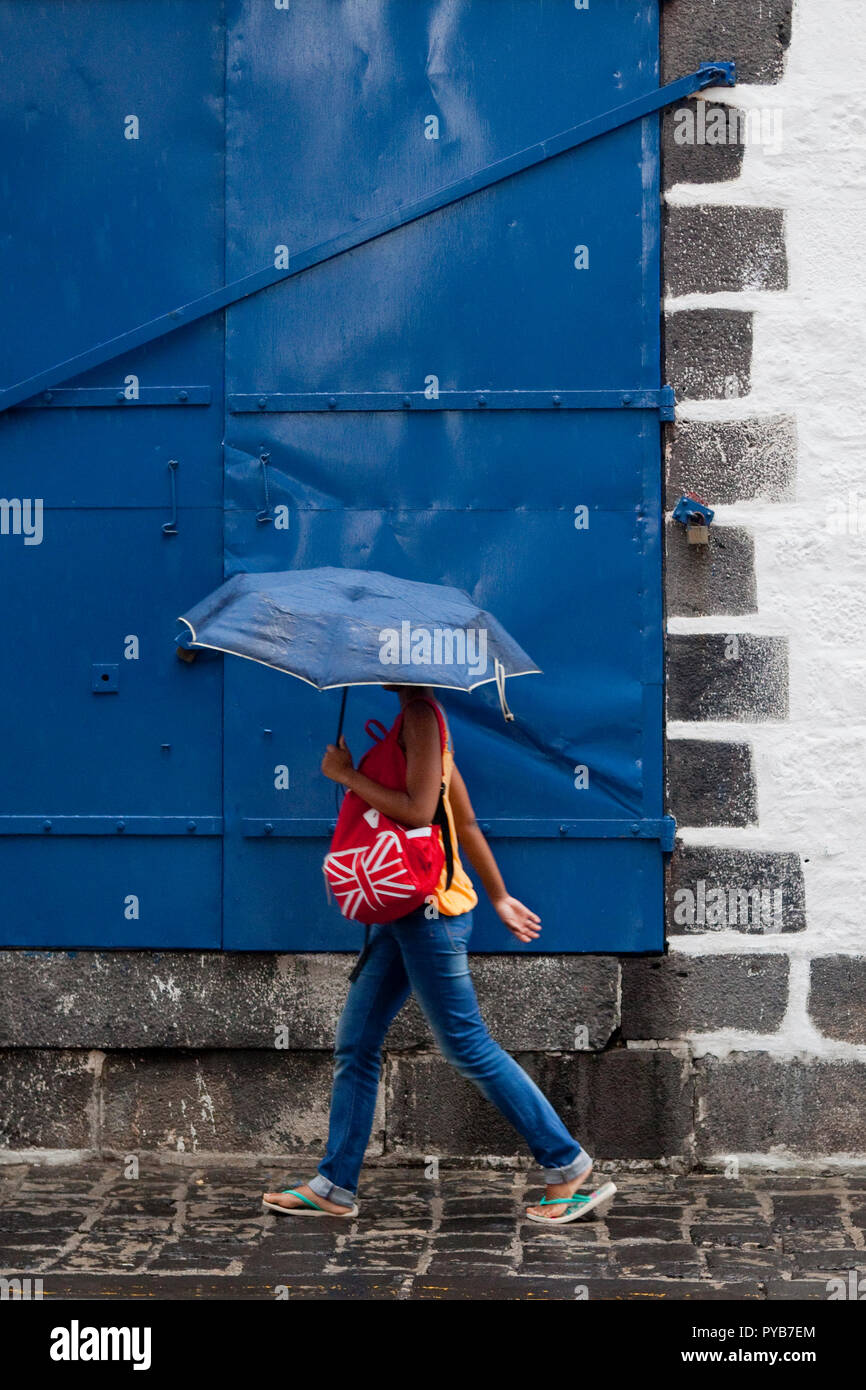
46	825
563	830
332	402
626	400
120	396
269	829
482	400
635	829
165	747
183	395
190	825
557	400
267	732
262	402
121	826
407	401
48	395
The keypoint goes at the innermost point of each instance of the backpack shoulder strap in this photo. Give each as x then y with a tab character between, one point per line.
440	817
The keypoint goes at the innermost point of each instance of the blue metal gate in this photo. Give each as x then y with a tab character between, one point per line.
413	249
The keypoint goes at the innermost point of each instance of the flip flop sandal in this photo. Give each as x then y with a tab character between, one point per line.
576	1206
311	1208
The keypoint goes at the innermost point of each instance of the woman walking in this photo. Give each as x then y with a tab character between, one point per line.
425	953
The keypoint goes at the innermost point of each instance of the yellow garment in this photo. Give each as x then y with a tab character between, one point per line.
461	896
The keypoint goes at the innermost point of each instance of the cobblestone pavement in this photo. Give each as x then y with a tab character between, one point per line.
180	1232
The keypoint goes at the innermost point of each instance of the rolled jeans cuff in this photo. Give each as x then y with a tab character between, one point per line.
323	1187
568	1174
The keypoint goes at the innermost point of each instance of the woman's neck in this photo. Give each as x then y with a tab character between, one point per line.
412	692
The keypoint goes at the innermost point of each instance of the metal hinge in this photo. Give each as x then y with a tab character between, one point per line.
503	828
660	399
101	396
111	825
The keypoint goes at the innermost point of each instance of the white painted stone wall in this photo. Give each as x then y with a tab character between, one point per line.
809	351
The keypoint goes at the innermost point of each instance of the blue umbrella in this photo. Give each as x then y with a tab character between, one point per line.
341	627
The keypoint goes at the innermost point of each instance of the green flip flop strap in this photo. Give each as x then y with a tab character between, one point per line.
292	1192
554	1201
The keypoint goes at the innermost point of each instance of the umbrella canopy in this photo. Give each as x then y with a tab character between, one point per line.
338	627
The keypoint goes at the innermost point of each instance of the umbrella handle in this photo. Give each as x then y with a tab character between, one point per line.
337	788
342	715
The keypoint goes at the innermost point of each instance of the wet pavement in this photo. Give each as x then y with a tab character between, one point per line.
178	1232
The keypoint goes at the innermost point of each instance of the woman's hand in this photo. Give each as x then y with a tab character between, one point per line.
337	762
522	923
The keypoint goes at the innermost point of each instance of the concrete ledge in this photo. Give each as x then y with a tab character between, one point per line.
680	995
620	1103
630	1104
192	999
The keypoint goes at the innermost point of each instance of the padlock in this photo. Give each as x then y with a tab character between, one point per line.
696	516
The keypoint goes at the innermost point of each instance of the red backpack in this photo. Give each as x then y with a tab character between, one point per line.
377	869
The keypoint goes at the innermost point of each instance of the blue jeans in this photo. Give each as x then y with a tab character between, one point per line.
429	959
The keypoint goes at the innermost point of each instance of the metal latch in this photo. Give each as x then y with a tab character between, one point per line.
696	516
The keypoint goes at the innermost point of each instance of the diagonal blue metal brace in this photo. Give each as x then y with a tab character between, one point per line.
720	74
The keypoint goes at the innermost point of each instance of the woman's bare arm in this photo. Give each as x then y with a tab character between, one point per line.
519	920
416	806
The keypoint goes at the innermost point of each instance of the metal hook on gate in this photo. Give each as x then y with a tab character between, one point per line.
170	527
266	514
